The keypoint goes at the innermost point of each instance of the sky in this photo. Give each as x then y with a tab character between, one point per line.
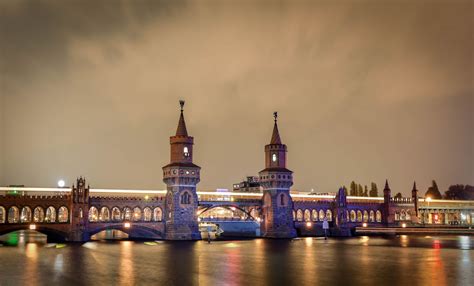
365	91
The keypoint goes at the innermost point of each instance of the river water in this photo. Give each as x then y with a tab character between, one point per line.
401	260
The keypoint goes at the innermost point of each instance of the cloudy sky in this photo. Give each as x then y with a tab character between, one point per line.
366	90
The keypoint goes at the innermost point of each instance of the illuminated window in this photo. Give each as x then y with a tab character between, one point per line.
25	215
157	214
321	215
299	215
366	216
147	214
63	214
13	215
353	216
38	214
359	216
294	215
104	214
371	216
2	215
378	216
315	215
50	215
274	157
186	152
137	214
93	214
329	215
116	215
307	215
127	213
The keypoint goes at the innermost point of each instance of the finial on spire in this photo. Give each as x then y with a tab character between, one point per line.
181	103
181	131
275	135
414	185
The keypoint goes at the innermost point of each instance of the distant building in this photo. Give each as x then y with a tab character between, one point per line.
251	185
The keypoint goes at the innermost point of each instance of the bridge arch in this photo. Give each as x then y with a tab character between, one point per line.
136	231
51	233
50	215
38	214
2	214
231	207
13	215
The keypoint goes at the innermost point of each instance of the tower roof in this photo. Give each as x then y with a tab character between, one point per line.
181	131
276	135
386	185
414	186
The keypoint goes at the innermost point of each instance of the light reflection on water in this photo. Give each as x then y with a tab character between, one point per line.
403	260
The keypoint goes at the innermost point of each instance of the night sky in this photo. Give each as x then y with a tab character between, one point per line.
365	90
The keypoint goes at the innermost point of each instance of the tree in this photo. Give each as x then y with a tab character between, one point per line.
460	192
360	190
353	189
366	191
433	191
373	190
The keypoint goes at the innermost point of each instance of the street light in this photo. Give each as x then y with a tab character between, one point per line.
61	183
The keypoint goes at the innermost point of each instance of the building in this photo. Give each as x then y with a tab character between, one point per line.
250	185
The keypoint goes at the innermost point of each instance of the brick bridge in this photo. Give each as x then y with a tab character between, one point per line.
174	214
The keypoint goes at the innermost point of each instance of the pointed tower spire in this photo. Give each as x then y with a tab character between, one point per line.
181	131
414	186
276	135
386	185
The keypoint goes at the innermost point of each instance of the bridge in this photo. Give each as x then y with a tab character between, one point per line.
140	213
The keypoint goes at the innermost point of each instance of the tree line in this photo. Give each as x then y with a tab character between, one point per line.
454	192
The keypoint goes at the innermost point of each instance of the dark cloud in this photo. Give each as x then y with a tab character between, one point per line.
366	90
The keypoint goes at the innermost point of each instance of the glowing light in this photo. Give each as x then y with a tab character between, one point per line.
127	225
308	224
147	197
32	226
404	225
428	199
61	183
364	224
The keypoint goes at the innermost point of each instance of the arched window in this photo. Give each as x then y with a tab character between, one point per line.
2	215
38	214
315	215
63	214
274	157
116	214
13	215
402	215
147	214
283	201
127	213
378	216
321	215
185	198
366	216
371	216
50	215
397	216
104	214
329	215
299	215
25	215
81	213
93	214
186	152
359	216
137	214
157	214
307	215
294	215
353	216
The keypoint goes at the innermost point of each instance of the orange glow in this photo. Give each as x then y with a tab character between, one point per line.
127	225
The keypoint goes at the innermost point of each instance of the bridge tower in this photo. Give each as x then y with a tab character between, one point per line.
414	196
276	181
181	177
387	196
79	206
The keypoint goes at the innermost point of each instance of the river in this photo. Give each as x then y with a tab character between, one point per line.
401	260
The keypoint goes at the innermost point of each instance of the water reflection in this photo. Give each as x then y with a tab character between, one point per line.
311	261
